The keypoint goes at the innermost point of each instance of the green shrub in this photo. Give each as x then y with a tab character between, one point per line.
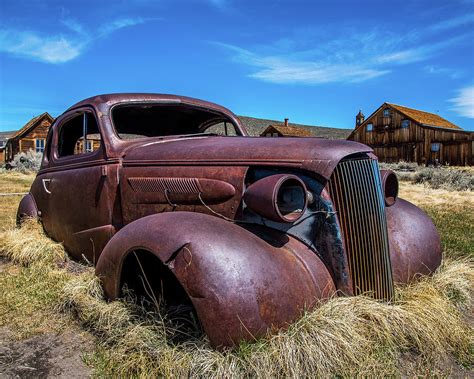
27	162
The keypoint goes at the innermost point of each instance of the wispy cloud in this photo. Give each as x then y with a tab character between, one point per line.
314	57
49	49
421	52
464	102
444	71
453	22
122	23
74	26
62	47
278	69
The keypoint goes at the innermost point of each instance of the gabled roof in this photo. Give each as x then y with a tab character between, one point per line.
256	126
289	131
424	118
31	124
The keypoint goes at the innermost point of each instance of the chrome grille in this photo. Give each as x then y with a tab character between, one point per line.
356	190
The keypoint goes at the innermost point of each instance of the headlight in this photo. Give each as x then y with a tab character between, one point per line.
389	186
280	198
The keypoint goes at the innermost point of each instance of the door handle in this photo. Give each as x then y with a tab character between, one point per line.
44	185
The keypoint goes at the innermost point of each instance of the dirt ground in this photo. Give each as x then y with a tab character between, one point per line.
48	355
43	356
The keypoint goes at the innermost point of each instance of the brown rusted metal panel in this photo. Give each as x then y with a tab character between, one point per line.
208	209
415	246
249	286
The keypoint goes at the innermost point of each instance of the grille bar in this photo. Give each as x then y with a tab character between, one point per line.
356	190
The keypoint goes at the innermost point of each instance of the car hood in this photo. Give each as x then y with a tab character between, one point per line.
316	154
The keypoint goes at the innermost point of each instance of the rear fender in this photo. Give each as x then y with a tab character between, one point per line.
240	285
26	209
415	246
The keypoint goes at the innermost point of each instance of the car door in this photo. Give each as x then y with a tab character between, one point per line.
80	186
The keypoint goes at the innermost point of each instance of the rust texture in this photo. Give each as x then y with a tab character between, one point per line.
245	233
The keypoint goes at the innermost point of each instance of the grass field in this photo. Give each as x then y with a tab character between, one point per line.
12	182
48	300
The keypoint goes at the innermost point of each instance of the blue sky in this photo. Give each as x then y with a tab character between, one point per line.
316	62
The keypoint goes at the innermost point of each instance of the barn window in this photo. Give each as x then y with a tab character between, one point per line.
405	123
370	127
386	112
435	147
39	145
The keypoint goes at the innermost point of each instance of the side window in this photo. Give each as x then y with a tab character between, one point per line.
222	129
405	124
79	135
370	127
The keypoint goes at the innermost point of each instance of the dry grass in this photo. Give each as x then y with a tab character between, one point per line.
345	336
12	182
452	212
424	196
29	245
28	292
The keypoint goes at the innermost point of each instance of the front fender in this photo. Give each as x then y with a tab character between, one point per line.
415	246
240	285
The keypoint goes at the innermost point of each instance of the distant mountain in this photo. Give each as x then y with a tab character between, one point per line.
255	126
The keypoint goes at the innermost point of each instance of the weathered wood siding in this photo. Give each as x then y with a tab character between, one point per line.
392	143
28	141
25	141
79	148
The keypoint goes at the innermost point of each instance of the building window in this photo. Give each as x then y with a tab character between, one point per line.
435	147
405	123
386	112
39	145
89	147
370	127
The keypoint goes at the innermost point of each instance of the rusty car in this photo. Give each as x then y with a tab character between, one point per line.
178	203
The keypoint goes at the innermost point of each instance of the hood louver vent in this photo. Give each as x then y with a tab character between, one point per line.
356	190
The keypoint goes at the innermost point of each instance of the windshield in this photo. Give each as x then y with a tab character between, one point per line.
160	120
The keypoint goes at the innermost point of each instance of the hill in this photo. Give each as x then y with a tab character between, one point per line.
255	126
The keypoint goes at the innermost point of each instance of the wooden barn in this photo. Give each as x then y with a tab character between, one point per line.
32	136
285	130
399	133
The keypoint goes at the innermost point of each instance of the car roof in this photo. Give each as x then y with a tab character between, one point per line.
115	98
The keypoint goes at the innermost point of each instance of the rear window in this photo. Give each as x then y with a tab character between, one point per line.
159	120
